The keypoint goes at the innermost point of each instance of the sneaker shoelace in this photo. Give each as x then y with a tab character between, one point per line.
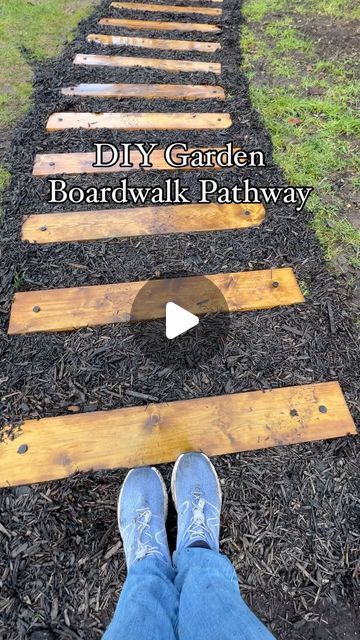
198	527
145	548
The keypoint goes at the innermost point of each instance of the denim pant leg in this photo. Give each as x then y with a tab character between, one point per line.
148	604
210	602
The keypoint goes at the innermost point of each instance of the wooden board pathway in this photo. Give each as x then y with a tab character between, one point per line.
54	448
166	8
155	25
154	43
115	223
150	121
57	447
148	91
74	163
151	63
73	308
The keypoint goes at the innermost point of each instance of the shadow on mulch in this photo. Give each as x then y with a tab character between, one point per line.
291	515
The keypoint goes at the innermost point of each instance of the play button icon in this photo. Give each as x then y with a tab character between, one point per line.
178	320
174	338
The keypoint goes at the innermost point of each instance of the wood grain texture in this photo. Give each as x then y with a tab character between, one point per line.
117	223
73	308
166	8
154	43
150	63
156	25
150	121
147	91
158	433
51	164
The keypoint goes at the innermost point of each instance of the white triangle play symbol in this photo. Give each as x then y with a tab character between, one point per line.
178	320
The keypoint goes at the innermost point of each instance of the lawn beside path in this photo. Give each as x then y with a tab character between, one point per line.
31	31
302	63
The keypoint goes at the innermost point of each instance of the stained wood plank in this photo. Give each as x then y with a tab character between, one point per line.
150	63
166	8
111	223
150	121
154	43
157	25
73	308
158	433
149	91
74	163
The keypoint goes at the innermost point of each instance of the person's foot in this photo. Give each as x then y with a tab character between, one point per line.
142	512
196	493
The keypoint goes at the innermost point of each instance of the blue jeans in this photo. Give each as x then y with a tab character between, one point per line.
197	599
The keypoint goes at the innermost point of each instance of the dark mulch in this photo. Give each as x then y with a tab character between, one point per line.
291	515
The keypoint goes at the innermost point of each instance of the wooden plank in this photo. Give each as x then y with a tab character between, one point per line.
73	308
156	25
51	164
117	223
150	121
149	91
154	43
150	63
59	446
166	8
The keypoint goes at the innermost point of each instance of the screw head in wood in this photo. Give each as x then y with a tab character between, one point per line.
43	228
36	309
322	408
23	448
275	284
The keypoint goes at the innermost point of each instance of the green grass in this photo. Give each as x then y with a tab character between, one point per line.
30	31
4	181
313	135
286	37
39	28
18	280
304	288
333	8
256	10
